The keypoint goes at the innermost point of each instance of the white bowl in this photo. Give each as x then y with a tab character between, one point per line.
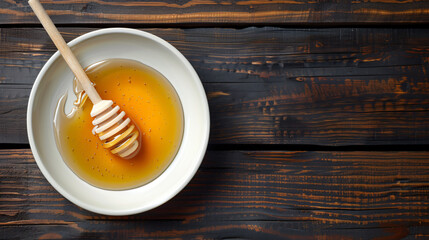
55	78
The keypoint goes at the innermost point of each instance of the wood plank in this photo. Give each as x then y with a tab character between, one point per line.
242	194
13	112
346	86
221	12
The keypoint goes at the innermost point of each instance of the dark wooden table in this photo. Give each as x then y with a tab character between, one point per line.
319	111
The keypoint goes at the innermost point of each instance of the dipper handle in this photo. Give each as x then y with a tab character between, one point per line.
65	51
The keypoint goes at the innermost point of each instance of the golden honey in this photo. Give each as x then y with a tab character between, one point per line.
148	99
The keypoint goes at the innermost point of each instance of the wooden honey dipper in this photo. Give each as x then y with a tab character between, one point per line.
118	135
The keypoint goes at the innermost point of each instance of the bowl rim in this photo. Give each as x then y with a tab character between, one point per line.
46	173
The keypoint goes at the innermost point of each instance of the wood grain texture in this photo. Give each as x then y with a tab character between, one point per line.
221	12
345	86
242	194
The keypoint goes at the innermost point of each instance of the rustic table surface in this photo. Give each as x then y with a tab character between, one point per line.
319	112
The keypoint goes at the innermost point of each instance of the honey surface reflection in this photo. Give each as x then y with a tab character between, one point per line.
149	100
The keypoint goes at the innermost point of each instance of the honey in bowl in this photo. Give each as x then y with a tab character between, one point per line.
148	99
